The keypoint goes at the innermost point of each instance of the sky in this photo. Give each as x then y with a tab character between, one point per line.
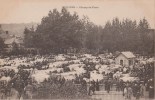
98	11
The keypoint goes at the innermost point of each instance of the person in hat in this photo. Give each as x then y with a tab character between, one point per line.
125	92
28	91
151	88
137	91
3	90
108	85
129	92
142	89
97	85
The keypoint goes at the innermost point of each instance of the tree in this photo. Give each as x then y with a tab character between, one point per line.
2	45
28	37
15	48
60	30
146	41
126	35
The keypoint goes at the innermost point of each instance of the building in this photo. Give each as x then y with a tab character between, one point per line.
4	34
125	59
9	39
9	43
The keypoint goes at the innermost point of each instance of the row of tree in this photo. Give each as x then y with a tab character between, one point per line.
59	31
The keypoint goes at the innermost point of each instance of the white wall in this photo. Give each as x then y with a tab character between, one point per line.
122	57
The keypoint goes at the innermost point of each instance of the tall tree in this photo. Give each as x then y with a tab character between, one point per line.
61	30
2	45
143	30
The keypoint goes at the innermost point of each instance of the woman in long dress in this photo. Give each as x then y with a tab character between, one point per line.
142	90
129	92
125	93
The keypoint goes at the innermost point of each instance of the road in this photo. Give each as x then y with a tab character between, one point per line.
99	95
113	95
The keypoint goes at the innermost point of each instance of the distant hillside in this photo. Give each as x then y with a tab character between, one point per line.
17	29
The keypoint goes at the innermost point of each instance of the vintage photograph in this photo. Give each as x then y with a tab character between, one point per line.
77	49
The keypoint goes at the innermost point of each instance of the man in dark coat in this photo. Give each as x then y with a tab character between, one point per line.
108	84
151	88
28	90
117	85
97	85
121	85
84	84
3	90
136	91
92	87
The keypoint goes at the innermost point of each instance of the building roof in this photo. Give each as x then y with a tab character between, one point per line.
128	54
5	36
14	39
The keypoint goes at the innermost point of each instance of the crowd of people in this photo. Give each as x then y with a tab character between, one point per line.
129	89
137	89
25	85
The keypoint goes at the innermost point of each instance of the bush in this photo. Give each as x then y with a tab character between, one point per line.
66	69
61	91
55	71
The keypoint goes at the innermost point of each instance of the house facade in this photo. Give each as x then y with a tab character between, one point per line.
9	43
9	39
125	59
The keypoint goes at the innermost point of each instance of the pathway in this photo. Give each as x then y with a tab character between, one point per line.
113	95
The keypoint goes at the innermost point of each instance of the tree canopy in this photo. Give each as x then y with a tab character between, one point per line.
61	30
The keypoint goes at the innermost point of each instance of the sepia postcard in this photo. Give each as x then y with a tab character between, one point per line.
77	49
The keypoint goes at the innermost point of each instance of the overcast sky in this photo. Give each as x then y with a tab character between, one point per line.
25	11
